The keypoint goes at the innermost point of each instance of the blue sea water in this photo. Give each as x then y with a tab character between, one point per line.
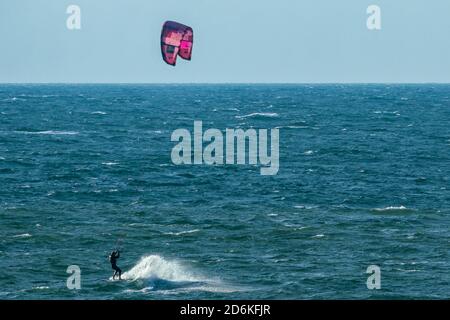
363	180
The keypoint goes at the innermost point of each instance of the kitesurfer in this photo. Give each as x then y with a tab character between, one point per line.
113	259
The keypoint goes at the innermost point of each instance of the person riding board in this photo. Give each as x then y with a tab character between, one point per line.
113	259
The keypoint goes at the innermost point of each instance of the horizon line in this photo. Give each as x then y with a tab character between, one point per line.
225	83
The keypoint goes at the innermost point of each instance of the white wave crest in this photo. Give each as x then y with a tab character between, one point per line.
391	208
259	114
181	232
169	276
154	266
24	235
49	132
110	163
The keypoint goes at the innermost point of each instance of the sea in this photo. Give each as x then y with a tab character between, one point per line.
362	193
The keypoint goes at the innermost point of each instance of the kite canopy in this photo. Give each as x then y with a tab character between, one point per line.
176	40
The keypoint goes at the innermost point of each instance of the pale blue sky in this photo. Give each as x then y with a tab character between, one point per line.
302	41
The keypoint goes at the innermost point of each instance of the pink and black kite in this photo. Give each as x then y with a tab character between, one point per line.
176	40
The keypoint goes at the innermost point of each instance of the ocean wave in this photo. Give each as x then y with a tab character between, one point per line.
49	132
155	266
24	235
168	277
99	112
292	127
139	224
259	115
204	288
390	208
38	95
14	99
407	270
110	163
305	207
181	232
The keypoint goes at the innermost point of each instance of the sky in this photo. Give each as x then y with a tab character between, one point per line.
235	41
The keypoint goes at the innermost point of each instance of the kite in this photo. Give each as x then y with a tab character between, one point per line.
176	40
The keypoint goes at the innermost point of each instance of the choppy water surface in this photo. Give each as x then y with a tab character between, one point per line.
364	177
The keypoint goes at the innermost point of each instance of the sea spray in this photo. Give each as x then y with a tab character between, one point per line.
155	266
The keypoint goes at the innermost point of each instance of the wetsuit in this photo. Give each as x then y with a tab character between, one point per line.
113	259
